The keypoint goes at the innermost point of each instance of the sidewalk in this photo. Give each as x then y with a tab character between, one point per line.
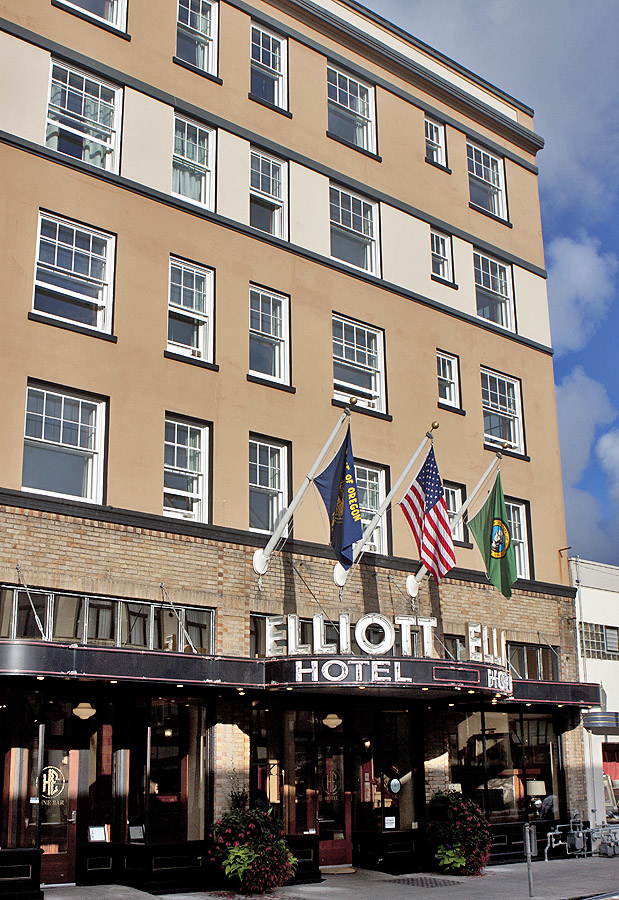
565	879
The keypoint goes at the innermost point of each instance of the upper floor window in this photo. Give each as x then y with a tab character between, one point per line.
196	34
440	246
83	117
351	109
113	12
74	273
267	193
268	483
455	647
486	181
600	641
454	498
493	290
63	444
353	229
532	661
502	410
358	363
448	379
185	468
370	494
190	311
268	66
193	162
435	142
517	521
268	334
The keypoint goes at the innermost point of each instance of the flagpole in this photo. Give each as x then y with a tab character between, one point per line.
412	582
339	572
262	557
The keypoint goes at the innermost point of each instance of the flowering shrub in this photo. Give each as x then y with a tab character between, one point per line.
458	829
248	845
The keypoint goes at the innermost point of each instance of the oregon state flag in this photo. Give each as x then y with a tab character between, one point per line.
338	488
491	531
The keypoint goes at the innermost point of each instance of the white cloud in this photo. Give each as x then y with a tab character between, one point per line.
607	450
583	406
581	286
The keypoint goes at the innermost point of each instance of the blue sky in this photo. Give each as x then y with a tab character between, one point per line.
560	57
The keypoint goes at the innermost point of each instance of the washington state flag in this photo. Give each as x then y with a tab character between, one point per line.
491	531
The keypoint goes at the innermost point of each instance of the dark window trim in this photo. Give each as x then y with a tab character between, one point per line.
436	165
279	385
341	404
186	65
340	140
439	280
454	409
69	326
92	20
272	106
180	357
486	212
496	448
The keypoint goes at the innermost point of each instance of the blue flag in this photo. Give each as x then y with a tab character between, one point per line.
338	488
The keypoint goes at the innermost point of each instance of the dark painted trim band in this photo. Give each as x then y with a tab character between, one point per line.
341	404
454	409
208	75
163	524
255	379
180	357
341	140
271	106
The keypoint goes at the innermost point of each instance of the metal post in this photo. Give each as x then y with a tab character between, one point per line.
527	850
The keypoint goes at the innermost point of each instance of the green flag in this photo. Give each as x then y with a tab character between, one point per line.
490	529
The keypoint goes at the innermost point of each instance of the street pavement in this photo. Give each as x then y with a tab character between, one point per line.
562	879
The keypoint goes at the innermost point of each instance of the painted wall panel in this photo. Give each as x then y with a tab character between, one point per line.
23	106
309	209
531	306
233	177
147	141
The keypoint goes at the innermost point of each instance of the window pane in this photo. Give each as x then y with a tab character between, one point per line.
31	613
68	618
57	471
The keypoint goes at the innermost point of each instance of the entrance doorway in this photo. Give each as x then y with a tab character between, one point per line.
57	796
334	805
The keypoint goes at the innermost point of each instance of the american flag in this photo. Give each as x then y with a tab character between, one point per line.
425	509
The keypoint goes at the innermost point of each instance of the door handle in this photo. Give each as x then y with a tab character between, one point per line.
72	818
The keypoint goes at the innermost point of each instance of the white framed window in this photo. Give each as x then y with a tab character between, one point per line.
63	444
74	274
370	494
502	409
358	363
193	162
351	109
268	334
454	498
268	66
442	265
184	470
354	229
517	521
196	34
112	12
83	117
448	379
486	181
435	142
268	483
267	193
190	310
493	290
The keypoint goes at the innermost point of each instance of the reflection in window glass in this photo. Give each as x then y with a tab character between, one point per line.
31	621
68	618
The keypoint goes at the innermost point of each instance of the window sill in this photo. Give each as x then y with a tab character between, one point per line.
180	357
514	455
436	165
256	379
341	404
490	215
86	18
336	137
454	409
70	326
277	109
466	545
439	280
195	69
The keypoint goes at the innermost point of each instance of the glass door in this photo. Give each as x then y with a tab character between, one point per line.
57	796
334	805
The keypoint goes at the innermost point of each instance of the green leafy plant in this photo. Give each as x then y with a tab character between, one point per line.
456	823
450	859
248	845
